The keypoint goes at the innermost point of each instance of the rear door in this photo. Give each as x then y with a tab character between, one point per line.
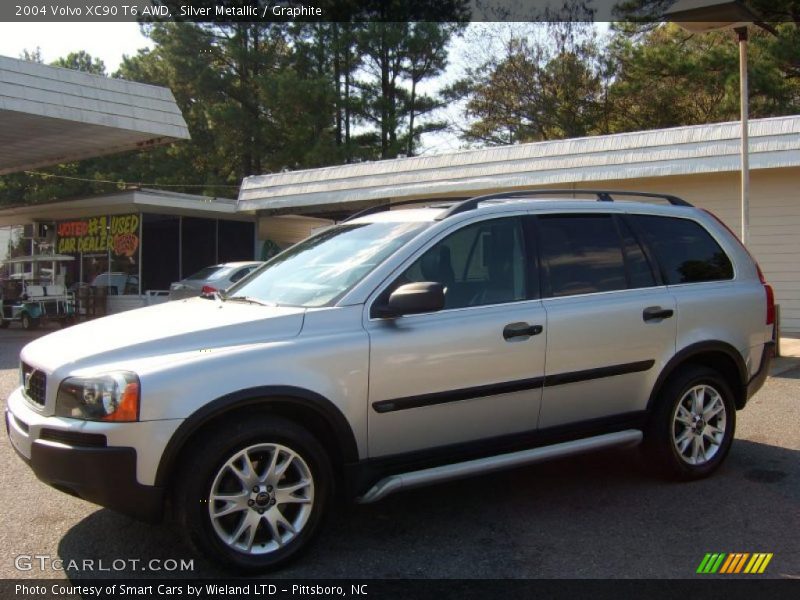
611	321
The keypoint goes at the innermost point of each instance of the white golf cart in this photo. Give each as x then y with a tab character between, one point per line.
33	292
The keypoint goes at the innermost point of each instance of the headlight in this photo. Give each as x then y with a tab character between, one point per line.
111	397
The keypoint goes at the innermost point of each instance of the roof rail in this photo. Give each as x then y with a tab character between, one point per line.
602	196
390	205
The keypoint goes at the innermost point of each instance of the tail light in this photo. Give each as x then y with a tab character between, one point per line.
208	289
770	320
770	297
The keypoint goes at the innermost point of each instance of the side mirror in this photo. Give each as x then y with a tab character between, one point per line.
412	299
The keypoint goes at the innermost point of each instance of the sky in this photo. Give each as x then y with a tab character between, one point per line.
107	41
110	41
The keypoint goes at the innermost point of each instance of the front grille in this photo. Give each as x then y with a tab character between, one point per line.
34	383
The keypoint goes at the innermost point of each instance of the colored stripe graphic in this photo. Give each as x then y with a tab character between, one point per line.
765	563
732	560
758	563
741	562
722	563
711	562
703	563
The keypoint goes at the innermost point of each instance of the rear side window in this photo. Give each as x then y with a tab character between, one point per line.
240	273
206	272
582	254
640	271
685	250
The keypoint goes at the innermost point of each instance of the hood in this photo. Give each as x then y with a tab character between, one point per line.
167	328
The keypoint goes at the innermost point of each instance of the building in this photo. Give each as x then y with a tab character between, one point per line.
50	115
137	242
698	163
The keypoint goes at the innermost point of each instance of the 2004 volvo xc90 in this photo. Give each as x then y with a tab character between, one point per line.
400	348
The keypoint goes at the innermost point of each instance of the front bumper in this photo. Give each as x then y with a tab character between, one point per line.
81	464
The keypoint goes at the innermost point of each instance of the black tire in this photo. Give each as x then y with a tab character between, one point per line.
28	322
662	437
203	466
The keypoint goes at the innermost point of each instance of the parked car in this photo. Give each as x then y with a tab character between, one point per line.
211	279
118	283
403	348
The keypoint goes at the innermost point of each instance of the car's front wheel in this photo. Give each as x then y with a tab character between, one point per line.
29	322
252	496
692	428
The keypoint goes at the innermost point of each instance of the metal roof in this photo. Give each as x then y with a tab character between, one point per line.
144	200
50	115
774	142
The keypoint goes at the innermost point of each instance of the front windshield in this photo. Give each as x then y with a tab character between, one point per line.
319	270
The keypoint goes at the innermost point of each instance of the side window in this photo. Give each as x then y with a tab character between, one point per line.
480	264
685	250
240	274
581	254
640	271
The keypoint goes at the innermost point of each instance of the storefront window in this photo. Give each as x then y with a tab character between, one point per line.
198	244
106	249
134	253
160	247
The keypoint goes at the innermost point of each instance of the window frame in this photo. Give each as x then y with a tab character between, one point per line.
531	282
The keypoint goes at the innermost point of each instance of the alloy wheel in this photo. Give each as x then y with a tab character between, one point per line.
261	498
699	422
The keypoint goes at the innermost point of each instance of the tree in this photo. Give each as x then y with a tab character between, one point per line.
546	82
81	61
665	76
32	55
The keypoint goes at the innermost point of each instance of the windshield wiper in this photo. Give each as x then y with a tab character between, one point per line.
249	299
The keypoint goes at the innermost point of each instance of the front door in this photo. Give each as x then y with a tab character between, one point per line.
473	370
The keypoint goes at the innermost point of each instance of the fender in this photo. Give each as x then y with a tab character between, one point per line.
259	396
693	350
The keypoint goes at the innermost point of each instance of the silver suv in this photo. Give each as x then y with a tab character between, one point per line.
401	348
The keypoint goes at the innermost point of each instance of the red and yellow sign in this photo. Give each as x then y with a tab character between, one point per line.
117	233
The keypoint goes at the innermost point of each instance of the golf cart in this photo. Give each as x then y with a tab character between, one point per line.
32	293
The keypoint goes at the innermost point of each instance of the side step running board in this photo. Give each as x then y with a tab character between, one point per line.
407	481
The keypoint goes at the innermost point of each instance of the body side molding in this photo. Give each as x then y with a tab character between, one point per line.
507	387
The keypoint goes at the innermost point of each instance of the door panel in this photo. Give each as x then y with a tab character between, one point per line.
473	370
449	362
602	357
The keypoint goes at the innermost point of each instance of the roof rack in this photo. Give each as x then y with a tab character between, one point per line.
390	205
602	196
460	205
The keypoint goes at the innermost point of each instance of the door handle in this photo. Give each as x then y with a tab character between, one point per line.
654	313
515	330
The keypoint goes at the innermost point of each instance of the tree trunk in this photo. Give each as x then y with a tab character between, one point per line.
411	110
337	58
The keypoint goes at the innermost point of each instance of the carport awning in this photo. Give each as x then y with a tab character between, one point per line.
50	115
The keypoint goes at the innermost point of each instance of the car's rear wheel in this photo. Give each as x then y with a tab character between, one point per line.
692	428
252	496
